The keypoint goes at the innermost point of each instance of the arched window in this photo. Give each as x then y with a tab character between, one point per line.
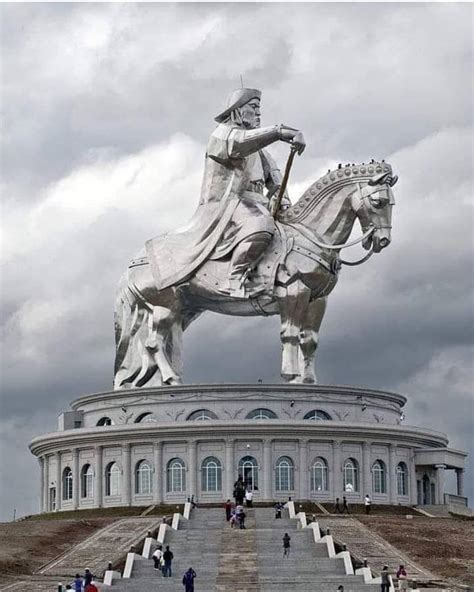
284	474
112	479
248	468
143	473
261	414
87	481
67	484
351	475
379	477
147	417
105	421
201	414
319	475
317	415
176	476
402	479
211	474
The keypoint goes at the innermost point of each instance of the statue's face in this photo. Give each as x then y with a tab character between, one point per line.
250	114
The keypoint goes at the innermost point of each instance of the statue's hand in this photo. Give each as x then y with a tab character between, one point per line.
299	142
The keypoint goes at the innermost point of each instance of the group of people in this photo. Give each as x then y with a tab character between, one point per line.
163	561
401	576
235	515
341	510
84	583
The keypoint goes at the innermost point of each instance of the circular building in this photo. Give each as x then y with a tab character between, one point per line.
161	445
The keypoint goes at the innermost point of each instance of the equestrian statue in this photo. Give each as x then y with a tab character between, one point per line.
247	251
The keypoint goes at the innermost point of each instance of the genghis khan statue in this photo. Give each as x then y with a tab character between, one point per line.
234	217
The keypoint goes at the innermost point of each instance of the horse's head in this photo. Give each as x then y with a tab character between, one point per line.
331	204
373	202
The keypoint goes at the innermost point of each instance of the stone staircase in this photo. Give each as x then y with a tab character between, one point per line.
238	570
307	569
196	544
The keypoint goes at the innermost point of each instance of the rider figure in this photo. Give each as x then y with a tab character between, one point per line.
233	217
236	155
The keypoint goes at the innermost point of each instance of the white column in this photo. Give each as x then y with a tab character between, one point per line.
413	491
336	469
303	489
126	463
75	478
229	468
99	480
59	493
440	483
193	469
41	464
460	482
46	484
267	470
366	469
158	476
392	477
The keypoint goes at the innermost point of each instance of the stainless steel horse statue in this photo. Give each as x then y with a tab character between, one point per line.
294	278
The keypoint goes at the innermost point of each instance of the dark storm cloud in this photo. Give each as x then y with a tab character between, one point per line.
107	112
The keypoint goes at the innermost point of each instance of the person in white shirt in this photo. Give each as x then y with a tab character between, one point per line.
248	498
157	555
367	503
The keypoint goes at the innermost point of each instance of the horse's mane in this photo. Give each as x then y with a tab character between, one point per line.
331	182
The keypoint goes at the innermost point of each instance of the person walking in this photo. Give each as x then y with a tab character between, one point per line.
157	555
239	491
249	498
367	503
286	545
337	507
277	508
188	580
385	582
87	579
340	588
242	517
402	578
228	509
345	507
77	584
167	558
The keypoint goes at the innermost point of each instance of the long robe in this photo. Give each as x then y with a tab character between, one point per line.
232	206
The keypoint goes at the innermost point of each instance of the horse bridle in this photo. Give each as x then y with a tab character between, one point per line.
363	194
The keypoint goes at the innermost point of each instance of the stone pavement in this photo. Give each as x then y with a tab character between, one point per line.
363	543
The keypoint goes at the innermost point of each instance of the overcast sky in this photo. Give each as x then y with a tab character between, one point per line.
107	109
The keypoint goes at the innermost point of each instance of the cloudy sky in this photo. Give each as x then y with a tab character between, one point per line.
107	109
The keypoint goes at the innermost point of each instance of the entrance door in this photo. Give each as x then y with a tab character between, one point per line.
52	499
248	468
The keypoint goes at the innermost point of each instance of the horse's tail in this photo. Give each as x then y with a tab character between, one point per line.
128	317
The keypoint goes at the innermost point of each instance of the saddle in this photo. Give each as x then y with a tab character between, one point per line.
214	274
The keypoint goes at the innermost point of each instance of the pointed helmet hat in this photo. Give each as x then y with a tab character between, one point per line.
238	98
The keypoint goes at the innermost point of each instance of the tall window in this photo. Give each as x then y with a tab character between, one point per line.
379	477
175	472
351	475
67	484
143	472
284	474
248	468
317	415
201	414
402	479
261	414
211	474
87	481
112	479
319	475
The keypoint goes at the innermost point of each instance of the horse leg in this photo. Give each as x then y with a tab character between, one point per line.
293	301
164	328
309	337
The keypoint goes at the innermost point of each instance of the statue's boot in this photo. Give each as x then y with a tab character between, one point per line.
245	257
